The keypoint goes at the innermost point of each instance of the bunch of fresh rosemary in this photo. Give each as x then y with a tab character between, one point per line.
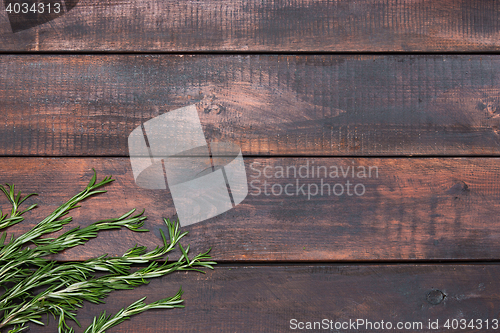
35	286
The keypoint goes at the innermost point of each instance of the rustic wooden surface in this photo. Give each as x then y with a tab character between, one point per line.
326	105
417	209
279	25
240	298
412	87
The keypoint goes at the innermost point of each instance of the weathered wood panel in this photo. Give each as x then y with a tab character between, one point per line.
416	209
279	25
265	298
77	105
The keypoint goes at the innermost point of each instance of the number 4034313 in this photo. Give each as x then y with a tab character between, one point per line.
36	8
477	324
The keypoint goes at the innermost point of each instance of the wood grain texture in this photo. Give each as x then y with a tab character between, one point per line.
279	25
265	298
80	105
74	112
417	209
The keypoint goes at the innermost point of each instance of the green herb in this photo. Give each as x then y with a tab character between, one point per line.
35	286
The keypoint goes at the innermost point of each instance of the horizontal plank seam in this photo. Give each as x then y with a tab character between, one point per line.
427	156
263	52
259	263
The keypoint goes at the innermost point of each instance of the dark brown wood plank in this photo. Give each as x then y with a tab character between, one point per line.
266	298
77	105
417	209
288	25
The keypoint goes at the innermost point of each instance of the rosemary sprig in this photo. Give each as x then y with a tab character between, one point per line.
15	201
35	286
101	324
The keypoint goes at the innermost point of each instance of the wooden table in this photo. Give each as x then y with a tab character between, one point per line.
411	88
